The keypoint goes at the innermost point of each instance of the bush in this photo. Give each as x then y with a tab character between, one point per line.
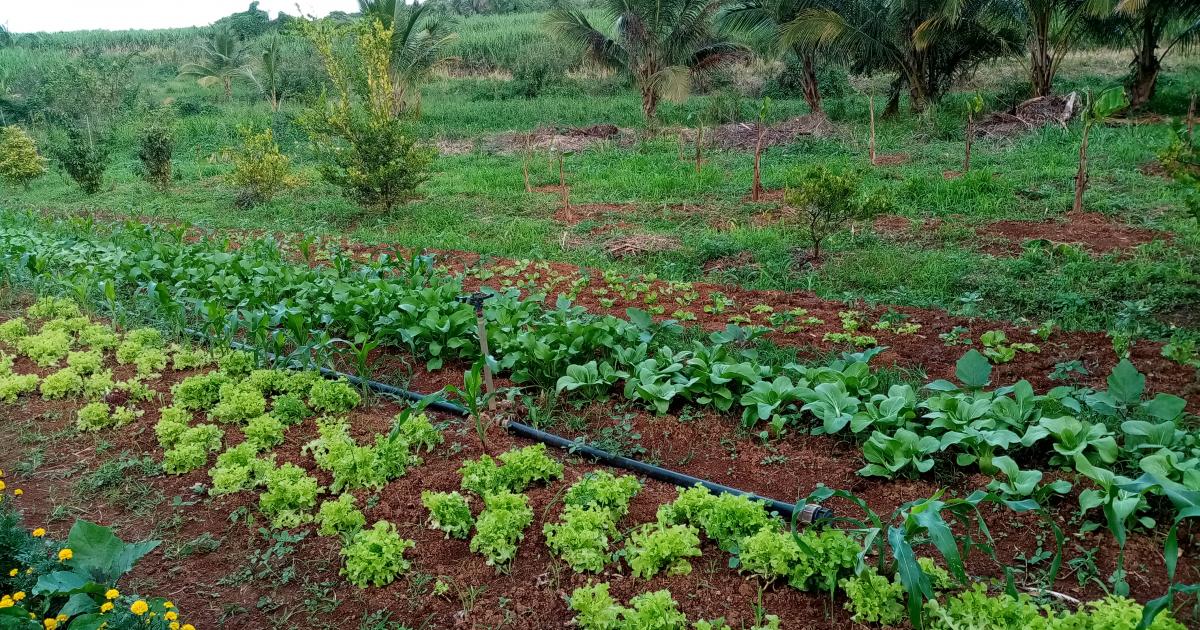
260	169
376	556
83	156
533	75
340	517
825	202
19	159
156	144
448	512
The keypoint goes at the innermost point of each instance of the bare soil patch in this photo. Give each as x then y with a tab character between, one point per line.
892	159
743	136
1091	230
638	244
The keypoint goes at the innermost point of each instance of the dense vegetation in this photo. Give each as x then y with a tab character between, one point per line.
719	240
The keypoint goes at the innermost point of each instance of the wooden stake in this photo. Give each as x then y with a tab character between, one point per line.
699	143
681	143
1081	177
1191	121
525	166
562	182
970	137
871	108
756	188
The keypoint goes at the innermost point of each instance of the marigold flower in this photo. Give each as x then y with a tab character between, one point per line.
3	485
171	615
168	605
50	624
112	593
18	492
188	626
6	602
18	596
39	532
65	554
106	606
12	573
139	607
174	625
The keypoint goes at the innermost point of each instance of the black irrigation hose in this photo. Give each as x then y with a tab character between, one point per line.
809	514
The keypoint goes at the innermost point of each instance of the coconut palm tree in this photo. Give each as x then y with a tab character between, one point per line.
222	58
1049	28
765	18
420	42
269	78
1153	29
892	36
662	44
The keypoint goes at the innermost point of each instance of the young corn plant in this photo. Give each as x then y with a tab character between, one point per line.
475	399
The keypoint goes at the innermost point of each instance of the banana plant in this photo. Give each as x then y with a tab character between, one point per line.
1102	108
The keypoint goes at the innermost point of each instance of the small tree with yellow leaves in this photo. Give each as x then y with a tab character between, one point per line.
260	169
361	140
19	159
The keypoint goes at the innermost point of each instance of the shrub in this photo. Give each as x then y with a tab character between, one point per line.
19	159
191	448
340	517
93	417
83	156
376	556
239	468
264	432
448	512
333	397
172	422
46	348
156	143
14	385
290	409
582	538
200	392
13	330
61	384
655	547
500	527
260	169
825	202
290	496
85	362
238	403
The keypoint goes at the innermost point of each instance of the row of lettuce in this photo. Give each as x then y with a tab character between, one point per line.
261	403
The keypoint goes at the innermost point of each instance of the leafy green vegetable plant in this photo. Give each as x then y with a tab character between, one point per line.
375	557
449	512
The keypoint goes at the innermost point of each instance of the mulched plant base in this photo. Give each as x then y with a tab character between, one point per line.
211	560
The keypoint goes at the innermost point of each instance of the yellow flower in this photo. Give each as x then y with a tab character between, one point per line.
61	618
168	605
6	602
139	607
188	626
18	492
18	596
111	593
39	532
171	615
65	554
174	625
105	607
50	624
3	485
13	573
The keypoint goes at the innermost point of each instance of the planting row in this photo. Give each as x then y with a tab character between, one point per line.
211	406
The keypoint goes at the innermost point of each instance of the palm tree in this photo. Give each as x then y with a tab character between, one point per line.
269	77
1146	26
892	36
1049	29
223	58
663	44
766	18
419	45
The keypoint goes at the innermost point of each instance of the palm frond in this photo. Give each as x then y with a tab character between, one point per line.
575	27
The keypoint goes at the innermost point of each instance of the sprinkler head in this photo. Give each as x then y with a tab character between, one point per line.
475	300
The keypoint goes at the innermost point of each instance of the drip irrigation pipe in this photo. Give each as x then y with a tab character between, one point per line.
808	514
